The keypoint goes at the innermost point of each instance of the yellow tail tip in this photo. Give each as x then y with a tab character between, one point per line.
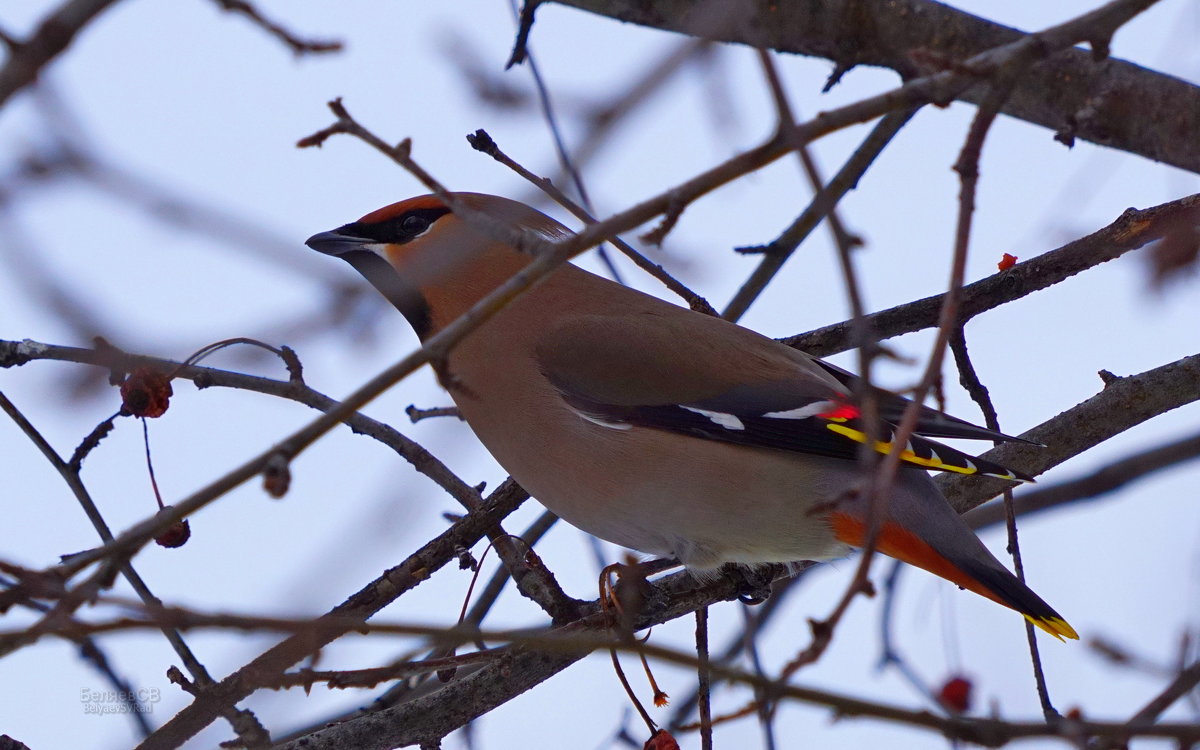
1055	626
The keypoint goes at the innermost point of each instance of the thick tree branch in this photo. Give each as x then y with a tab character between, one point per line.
1109	102
428	719
1124	403
1132	230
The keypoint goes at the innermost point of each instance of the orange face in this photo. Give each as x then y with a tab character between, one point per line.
428	263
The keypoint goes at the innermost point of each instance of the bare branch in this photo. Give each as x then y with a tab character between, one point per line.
482	142
1124	403
27	58
822	204
361	605
429	718
1093	486
1132	230
1113	103
243	722
16	353
297	45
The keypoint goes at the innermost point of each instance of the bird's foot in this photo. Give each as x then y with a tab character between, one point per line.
752	582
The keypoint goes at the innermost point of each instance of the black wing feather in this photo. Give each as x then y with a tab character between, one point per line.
714	419
931	423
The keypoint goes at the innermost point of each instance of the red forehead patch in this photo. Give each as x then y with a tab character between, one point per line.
397	209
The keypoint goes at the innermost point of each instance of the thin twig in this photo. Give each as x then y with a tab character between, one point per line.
979	394
1095	485
783	107
951	326
524	18
17	353
889	655
779	250
482	142
704	679
416	414
297	45
93	654
70	474
524	25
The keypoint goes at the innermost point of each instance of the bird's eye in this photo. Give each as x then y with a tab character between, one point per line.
412	225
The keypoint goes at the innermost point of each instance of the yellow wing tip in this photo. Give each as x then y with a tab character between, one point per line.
1055	626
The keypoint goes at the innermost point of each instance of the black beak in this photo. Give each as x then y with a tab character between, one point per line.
336	243
406	298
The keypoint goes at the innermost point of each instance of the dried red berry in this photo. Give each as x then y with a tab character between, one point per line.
956	694
176	535
145	393
277	477
661	740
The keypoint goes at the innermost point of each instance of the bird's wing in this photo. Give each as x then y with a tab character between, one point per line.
931	422
709	379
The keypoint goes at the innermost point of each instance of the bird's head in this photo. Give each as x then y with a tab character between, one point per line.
430	263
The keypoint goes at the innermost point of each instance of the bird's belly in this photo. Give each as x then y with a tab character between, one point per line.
704	502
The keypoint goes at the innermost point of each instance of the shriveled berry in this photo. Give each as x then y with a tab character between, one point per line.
146	393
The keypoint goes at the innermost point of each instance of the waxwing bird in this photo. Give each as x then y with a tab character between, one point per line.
659	428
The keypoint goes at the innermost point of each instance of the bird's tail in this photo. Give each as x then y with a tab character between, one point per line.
971	566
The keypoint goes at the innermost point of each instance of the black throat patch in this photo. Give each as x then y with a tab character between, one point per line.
405	297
